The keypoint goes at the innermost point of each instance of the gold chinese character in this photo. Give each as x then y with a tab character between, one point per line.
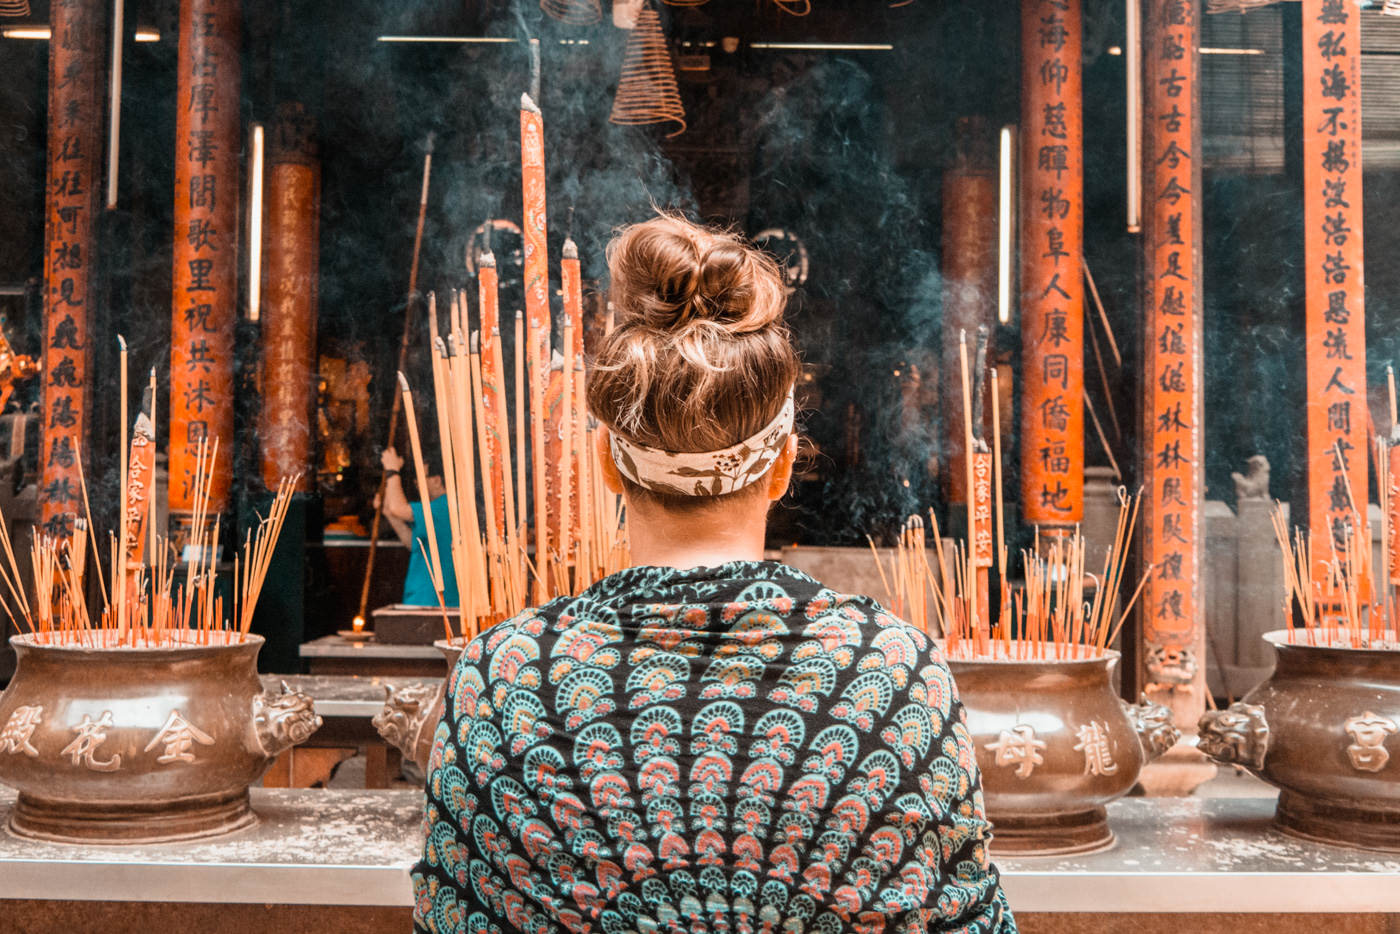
178	736
1368	731
1093	742
20	729
91	735
1019	747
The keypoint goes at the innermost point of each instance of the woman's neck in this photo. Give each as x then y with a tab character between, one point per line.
703	538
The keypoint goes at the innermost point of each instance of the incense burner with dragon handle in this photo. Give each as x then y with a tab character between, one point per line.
1324	729
144	743
1055	745
411	712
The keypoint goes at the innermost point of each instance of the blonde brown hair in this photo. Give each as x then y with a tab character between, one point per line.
699	358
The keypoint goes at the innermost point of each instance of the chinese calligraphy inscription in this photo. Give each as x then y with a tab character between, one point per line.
1018	747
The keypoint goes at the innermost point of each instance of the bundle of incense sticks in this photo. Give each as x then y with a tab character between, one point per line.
1337	607
146	601
547	526
532	556
1064	611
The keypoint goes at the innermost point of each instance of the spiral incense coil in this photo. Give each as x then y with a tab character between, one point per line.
685	2
1240	6
14	7
1391	8
574	12
647	91
795	7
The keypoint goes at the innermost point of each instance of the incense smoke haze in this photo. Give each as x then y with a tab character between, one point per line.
846	149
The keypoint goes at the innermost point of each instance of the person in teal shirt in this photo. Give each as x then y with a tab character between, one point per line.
411	528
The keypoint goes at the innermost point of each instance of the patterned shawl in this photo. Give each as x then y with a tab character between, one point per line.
730	749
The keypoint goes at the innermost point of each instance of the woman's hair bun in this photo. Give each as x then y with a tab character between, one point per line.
669	274
699	358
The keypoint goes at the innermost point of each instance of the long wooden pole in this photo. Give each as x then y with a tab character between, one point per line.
119	572
403	365
972	601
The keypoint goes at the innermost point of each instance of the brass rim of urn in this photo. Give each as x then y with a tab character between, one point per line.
141	744
1053	745
1323	728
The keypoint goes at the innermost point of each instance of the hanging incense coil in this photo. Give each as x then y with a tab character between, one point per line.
1391	8
1238	6
14	7
646	91
794	7
574	12
685	2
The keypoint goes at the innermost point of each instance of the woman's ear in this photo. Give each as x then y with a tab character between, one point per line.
612	477
780	477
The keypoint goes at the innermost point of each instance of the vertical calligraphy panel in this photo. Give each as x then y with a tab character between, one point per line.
1052	289
1172	607
71	201
1332	253
291	272
205	294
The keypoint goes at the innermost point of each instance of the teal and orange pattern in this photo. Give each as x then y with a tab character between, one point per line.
733	749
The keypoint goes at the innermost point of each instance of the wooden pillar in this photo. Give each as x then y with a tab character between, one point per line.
969	264
1333	257
76	76
1172	453
205	293
1052	241
291	264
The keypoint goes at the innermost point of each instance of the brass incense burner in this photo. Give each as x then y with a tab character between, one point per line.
1054	745
150	743
1325	730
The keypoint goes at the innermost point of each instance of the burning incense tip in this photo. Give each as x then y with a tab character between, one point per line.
121	343
476	342
526	103
495	332
428	143
519	314
403	382
570	249
487	260
440	345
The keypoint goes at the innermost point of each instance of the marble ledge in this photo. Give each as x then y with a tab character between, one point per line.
315	847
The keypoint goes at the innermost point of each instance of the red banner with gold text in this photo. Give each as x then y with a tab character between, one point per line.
1052	289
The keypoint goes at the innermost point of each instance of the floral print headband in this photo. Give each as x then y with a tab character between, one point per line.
710	473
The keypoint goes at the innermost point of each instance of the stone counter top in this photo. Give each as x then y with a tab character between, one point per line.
309	847
315	847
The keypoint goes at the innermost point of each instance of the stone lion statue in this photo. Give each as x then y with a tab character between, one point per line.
1254	482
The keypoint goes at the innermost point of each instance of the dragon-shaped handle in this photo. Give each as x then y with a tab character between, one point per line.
409	713
282	719
1238	735
1153	723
